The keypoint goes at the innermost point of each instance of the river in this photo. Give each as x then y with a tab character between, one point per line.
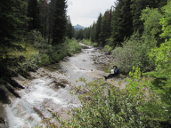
50	90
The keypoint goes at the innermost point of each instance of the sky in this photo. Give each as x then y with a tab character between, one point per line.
85	12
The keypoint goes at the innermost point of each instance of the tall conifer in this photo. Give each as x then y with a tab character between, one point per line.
58	17
33	15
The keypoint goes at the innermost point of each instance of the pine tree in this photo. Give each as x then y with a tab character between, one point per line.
93	32
44	8
58	23
33	14
122	21
12	20
98	28
137	7
69	29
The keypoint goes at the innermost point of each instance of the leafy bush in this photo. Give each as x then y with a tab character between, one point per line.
107	49
104	106
152	26
153	107
68	48
162	58
89	43
133	53
35	51
72	46
44	59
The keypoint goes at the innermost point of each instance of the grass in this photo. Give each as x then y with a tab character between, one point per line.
28	51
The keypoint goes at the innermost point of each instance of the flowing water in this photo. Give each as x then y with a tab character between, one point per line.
42	96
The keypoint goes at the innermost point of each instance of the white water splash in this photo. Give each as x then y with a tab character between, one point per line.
40	96
21	113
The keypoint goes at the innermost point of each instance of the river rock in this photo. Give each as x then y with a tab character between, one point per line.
3	123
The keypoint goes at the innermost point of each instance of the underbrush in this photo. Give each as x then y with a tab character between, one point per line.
32	52
89	43
134	52
106	106
107	49
68	48
35	51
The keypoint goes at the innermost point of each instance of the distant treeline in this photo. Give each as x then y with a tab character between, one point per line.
119	22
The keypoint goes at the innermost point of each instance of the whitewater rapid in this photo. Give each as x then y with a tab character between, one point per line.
44	96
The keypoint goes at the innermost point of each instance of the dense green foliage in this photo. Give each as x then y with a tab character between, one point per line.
33	33
12	20
119	23
20	19
33	14
105	106
145	102
162	59
136	32
58	20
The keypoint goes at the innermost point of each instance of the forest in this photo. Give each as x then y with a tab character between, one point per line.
33	34
136	33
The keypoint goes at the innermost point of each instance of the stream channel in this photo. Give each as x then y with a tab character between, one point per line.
50	90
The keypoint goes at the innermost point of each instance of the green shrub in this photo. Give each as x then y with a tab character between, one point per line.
72	46
68	48
104	106
45	59
107	49
89	42
162	58
133	53
153	108
152	26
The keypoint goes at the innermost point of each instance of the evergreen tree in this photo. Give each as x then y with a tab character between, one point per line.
79	34
69	28
122	21
106	27
12	20
93	32
12	26
98	28
58	17
137	6
44	8
33	14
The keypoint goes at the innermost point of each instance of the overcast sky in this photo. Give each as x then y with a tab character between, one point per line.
85	12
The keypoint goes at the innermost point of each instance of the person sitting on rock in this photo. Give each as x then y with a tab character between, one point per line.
114	72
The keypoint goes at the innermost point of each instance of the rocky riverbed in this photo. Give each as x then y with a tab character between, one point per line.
49	89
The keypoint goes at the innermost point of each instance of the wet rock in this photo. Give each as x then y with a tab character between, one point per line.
12	90
4	96
60	84
103	59
3	123
14	83
38	112
20	78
